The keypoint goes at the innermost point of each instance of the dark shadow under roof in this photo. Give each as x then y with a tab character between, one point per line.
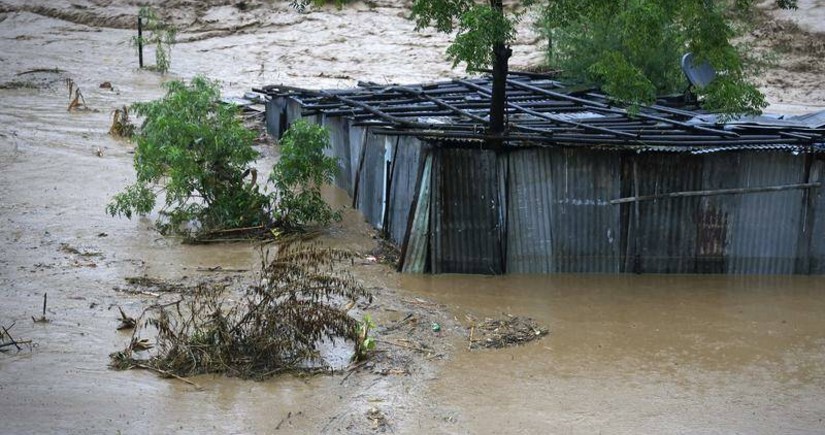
542	112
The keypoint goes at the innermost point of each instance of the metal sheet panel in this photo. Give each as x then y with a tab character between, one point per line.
817	234
405	166
586	226
664	241
293	112
529	235
372	179
465	236
276	117
715	215
357	136
339	137
766	226
418	243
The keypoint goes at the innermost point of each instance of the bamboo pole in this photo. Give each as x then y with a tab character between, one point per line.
740	190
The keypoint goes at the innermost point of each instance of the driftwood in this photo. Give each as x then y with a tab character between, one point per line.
38	70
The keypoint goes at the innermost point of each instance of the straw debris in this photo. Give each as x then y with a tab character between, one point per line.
276	327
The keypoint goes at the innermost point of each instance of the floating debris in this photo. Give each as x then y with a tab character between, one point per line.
510	331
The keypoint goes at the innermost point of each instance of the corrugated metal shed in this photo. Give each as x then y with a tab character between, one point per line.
597	192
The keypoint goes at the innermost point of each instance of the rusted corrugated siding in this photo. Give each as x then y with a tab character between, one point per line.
715	214
665	239
405	166
465	233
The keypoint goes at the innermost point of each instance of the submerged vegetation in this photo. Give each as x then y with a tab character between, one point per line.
158	33
195	154
300	301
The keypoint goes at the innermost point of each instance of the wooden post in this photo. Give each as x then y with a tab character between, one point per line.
637	245
140	41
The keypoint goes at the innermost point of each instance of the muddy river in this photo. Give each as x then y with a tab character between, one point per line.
625	354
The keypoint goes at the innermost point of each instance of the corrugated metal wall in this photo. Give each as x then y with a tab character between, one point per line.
559	218
752	233
465	215
664	241
766	226
357	137
585	224
405	166
276	117
339	138
529	238
371	184
547	210
817	218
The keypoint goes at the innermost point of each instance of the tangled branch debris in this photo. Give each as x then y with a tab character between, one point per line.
7	341
277	327
510	331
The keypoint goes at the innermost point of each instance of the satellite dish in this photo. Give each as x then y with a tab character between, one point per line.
698	75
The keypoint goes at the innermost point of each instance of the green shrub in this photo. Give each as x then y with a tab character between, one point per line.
194	151
195	154
299	174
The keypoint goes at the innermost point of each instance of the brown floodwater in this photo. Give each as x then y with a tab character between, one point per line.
625	354
640	354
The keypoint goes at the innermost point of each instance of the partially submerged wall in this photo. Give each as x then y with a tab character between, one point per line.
459	209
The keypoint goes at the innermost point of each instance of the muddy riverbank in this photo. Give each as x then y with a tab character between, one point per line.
623	355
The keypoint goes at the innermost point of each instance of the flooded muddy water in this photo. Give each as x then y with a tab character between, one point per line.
625	354
641	354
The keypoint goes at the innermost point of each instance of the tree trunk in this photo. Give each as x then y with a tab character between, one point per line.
501	59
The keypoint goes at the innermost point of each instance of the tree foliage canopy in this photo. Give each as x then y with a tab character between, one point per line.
630	48
478	27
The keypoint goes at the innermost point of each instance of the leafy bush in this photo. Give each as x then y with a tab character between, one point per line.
299	174
197	151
